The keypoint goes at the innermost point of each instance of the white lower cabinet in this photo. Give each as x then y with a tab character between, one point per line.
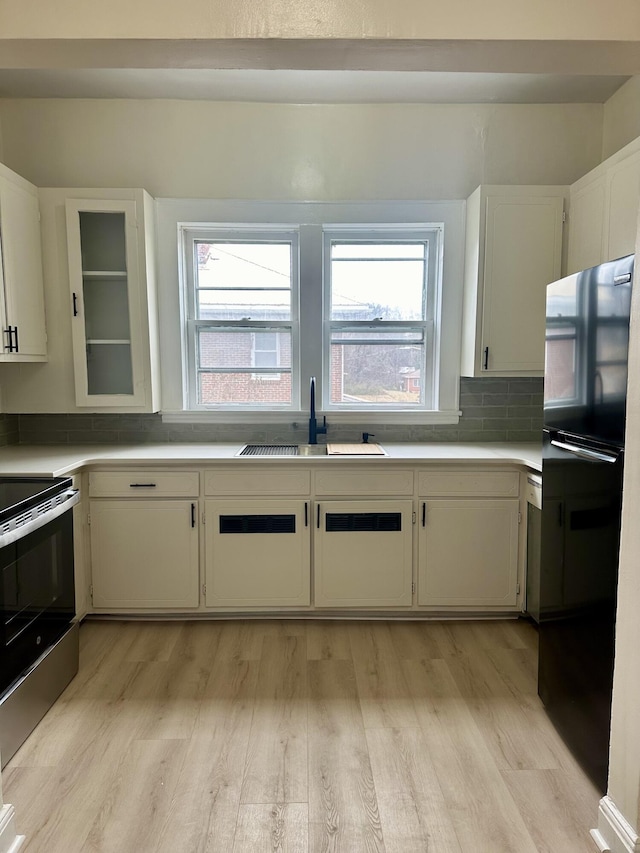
468	553
144	554
265	550
363	553
257	553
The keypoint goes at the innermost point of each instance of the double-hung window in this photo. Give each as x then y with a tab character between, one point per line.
242	317
360	306
379	336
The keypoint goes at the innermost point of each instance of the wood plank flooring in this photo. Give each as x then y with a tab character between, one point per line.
301	737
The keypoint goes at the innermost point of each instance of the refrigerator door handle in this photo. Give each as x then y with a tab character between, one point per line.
584	453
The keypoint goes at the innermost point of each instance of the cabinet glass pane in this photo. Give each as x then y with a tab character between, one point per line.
106	309
109	369
102	241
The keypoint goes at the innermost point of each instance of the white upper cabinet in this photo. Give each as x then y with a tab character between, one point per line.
22	300
113	304
513	250
621	207
603	213
586	225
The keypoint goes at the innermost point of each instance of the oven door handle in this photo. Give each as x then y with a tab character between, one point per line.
72	498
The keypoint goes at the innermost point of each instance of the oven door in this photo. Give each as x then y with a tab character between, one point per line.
37	600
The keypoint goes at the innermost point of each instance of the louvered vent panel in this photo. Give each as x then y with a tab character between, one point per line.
343	522
24	518
46	507
257	524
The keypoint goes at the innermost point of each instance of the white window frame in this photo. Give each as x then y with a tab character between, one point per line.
173	215
385	233
190	235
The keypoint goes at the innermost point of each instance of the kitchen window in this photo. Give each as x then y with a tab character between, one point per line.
242	318
365	296
380	287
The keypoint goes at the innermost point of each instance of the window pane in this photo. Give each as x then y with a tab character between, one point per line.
415	251
244	388
237	349
346	335
237	280
381	280
243	305
377	373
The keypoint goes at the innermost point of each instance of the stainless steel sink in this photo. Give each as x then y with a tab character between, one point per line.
283	450
312	450
360	450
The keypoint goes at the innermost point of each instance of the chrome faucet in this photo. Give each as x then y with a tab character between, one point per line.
314	429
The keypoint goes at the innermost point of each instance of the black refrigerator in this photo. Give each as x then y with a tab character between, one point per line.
587	341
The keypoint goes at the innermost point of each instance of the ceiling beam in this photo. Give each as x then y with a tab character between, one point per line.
497	56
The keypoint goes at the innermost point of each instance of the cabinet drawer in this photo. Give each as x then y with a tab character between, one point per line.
117	484
263	482
364	483
469	483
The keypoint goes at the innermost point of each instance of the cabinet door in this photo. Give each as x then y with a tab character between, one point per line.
257	553
106	299
24	337
523	254
586	223
468	553
363	553
623	196
144	554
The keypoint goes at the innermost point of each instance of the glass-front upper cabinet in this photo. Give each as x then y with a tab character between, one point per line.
114	365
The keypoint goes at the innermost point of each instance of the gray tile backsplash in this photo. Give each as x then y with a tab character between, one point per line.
492	410
8	430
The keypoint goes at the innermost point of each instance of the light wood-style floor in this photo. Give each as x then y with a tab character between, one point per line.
301	737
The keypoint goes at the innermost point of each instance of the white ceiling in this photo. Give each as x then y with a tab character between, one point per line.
306	86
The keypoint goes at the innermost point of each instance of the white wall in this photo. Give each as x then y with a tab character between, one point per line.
619	818
191	149
298	152
621	122
432	19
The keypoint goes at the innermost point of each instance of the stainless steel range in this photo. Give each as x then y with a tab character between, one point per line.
39	638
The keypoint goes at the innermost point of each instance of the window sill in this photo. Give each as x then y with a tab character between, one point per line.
301	418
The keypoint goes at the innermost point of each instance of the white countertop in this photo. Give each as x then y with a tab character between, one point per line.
59	460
